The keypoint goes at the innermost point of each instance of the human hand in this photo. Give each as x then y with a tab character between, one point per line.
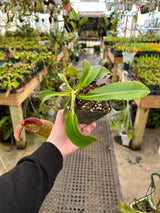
59	138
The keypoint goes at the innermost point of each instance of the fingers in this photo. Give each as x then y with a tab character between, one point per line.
88	128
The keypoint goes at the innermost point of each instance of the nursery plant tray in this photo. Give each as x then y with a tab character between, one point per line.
118	53
131	76
18	97
150	101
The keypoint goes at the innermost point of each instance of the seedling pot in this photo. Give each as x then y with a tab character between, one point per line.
125	139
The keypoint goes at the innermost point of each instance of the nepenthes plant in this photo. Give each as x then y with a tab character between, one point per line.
127	90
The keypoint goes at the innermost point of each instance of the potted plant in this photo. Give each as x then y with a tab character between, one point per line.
146	70
143	205
119	90
122	125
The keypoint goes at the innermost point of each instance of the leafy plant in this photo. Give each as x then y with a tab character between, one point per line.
119	90
147	69
6	129
139	207
73	22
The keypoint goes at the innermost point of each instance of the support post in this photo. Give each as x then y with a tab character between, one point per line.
17	117
139	125
114	77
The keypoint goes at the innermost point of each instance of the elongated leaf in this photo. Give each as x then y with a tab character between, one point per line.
4	120
73	133
71	71
127	90
103	71
83	20
8	133
74	15
45	95
106	21
89	73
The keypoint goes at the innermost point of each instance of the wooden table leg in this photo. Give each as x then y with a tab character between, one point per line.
105	53
17	117
139	125
114	77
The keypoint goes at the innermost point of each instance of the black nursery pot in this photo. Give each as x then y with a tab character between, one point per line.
126	66
87	117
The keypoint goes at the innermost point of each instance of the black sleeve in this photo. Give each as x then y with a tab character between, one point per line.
23	189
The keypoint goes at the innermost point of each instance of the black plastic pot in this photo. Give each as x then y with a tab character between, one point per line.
106	42
3	90
117	53
148	53
87	117
126	66
155	89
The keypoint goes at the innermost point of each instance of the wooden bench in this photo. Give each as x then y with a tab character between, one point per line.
143	106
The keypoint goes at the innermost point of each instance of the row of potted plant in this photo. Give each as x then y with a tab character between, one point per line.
89	34
28	43
13	76
146	37
147	70
136	47
24	56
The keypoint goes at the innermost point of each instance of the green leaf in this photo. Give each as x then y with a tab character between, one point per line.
4	119
127	90
45	95
106	20
44	108
73	133
89	73
8	133
74	15
83	20
103	71
126	209
15	84
71	71
158	208
62	77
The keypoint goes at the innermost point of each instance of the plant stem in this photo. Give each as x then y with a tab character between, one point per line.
73	97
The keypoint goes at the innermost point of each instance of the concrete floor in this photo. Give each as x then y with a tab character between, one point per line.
134	167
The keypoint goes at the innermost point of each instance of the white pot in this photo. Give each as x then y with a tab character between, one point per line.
128	57
125	139
144	198
114	112
51	112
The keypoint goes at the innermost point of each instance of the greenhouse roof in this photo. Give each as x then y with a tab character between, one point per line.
90	9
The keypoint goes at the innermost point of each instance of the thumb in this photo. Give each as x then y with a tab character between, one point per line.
60	118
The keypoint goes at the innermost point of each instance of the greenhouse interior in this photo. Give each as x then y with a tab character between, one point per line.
79	118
